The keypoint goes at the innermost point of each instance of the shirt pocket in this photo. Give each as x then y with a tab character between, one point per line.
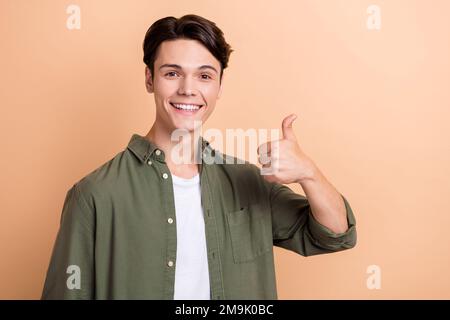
250	232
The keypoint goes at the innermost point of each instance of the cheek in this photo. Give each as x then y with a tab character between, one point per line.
165	89
211	94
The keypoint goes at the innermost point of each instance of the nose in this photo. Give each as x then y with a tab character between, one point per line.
186	87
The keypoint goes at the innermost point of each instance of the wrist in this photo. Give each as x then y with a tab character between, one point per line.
311	173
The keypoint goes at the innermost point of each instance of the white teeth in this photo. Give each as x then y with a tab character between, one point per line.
189	107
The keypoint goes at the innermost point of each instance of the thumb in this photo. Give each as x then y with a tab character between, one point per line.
288	132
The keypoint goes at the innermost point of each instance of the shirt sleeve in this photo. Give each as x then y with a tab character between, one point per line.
295	228
70	274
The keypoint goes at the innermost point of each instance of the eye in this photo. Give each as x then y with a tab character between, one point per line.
170	73
205	76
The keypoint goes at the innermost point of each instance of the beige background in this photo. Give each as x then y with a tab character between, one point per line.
372	105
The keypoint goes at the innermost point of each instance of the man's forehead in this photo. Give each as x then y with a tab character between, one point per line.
188	54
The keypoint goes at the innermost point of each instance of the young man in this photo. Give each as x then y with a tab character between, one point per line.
145	226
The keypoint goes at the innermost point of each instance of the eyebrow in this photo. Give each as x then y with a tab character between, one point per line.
176	66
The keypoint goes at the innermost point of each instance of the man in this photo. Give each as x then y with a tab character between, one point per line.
145	226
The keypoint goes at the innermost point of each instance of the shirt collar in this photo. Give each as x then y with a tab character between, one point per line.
144	149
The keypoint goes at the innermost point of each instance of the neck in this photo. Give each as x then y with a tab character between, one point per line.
161	137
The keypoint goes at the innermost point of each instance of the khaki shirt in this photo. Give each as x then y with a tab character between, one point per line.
117	236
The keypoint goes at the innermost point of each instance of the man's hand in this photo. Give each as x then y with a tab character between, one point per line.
287	163
283	159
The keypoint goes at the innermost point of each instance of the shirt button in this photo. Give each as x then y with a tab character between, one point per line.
170	220
170	263
165	175
149	162
158	152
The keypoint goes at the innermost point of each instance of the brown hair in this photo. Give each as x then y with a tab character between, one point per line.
188	26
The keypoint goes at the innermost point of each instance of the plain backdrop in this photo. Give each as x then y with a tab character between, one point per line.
372	106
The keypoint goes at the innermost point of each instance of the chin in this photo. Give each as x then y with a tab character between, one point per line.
186	125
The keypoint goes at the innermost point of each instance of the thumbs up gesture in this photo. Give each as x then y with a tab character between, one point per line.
282	160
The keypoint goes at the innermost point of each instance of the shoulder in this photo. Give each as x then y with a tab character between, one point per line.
104	179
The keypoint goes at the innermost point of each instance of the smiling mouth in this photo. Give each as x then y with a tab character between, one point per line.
186	107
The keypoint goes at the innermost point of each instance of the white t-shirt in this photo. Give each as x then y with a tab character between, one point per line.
191	266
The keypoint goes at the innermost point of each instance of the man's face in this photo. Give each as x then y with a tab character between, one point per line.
186	84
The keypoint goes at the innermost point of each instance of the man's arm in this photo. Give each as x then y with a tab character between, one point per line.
70	274
327	205
295	228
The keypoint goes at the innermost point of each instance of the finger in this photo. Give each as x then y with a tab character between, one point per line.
264	159
264	148
288	132
271	166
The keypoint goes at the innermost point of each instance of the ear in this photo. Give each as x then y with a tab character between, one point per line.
148	80
221	86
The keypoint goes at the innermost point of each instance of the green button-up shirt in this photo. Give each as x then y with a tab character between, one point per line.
118	240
